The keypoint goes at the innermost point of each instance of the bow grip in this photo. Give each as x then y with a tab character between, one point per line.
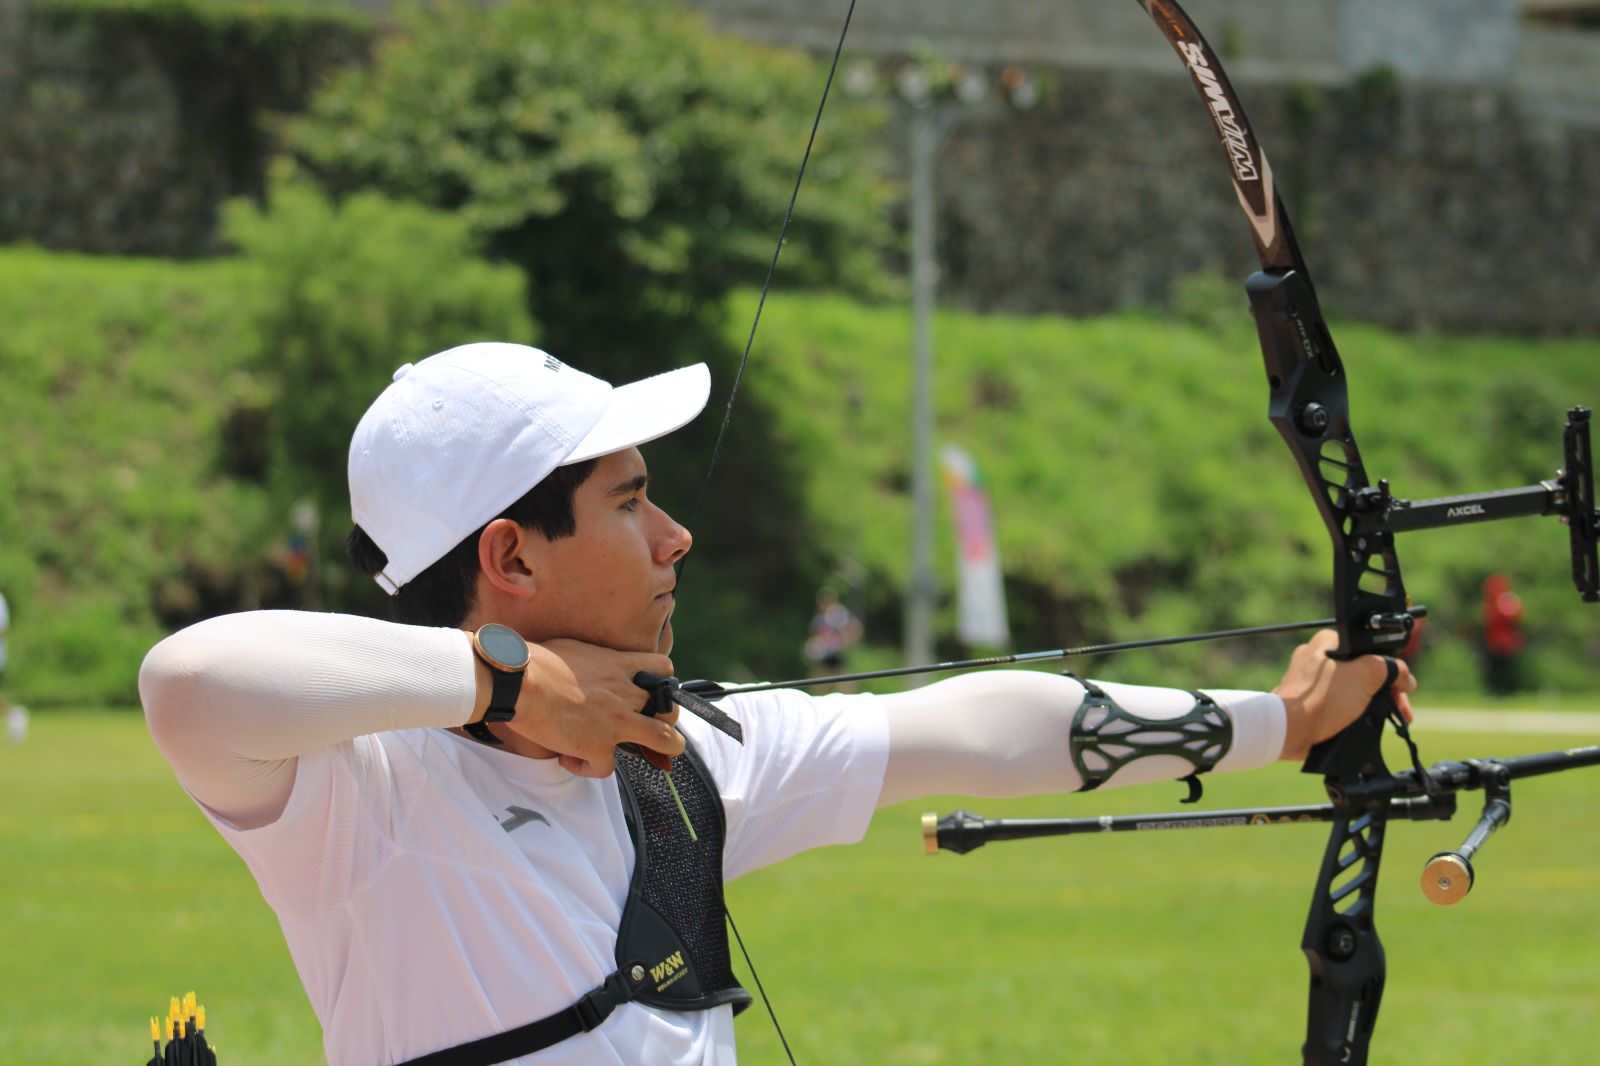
1357	751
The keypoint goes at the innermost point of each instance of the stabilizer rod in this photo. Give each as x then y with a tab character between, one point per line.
1408	796
961	831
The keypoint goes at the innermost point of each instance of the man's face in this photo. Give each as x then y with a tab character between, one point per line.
611	582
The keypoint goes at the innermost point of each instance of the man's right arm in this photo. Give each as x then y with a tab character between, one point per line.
232	702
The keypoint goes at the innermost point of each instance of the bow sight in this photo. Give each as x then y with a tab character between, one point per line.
1569	495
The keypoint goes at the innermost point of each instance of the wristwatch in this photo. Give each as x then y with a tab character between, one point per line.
506	654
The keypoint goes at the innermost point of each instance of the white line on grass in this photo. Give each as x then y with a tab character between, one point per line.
1574	723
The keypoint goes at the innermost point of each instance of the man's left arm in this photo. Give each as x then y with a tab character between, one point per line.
1019	733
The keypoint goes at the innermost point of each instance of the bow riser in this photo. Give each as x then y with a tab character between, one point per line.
1341	943
1309	404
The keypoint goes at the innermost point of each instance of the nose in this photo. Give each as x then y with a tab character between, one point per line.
673	541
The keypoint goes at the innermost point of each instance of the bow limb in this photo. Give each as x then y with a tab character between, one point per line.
1309	405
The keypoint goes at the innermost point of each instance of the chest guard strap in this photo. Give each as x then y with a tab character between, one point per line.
672	942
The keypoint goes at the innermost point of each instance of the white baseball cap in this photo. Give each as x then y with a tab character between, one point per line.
459	437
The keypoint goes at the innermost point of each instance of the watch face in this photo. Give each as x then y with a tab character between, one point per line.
503	647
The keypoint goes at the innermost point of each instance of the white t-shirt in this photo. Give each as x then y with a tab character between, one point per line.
433	890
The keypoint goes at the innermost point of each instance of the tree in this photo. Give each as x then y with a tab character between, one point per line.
637	167
633	163
348	292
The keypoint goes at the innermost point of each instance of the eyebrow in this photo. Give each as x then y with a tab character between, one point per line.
630	486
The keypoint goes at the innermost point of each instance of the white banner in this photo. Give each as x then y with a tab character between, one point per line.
981	594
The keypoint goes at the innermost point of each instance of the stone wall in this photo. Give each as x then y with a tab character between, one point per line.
1557	76
1432	40
1459	200
1290	38
1438	156
1323	41
1414	206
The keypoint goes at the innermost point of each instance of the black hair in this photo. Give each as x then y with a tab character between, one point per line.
442	595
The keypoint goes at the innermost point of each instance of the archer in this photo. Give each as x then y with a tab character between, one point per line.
477	847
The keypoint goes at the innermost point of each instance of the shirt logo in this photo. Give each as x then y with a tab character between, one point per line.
520	816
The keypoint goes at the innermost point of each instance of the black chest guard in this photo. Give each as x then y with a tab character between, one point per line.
672	943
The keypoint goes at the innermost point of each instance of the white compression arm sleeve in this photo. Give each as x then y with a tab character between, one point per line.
232	701
1006	733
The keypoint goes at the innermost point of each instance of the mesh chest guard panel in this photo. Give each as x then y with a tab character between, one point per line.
672	945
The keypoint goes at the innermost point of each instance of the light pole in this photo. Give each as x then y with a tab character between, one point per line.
930	121
934	98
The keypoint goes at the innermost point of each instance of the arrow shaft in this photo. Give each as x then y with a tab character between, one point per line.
1031	656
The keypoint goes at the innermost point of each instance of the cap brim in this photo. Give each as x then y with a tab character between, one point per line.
644	410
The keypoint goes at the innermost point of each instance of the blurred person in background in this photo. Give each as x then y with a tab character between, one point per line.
5	629
16	715
1503	639
478	849
834	631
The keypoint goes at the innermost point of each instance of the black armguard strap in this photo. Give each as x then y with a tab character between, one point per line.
1105	738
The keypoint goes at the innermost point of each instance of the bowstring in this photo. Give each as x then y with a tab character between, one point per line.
766	285
727	419
765	1002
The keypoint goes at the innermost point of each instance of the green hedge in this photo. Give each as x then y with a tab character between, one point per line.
633	163
152	410
1138	487
349	293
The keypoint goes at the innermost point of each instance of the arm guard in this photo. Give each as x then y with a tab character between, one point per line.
1105	738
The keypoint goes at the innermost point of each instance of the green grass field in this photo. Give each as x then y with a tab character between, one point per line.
1137	948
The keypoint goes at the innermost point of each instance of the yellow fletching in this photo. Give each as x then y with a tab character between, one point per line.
170	1026
180	1029
200	1016
173	1008
155	1029
188	1005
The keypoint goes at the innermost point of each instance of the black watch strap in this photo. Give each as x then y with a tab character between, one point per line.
502	705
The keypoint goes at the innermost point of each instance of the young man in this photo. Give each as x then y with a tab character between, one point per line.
444	883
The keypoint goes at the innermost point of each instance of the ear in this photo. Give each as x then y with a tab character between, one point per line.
504	558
